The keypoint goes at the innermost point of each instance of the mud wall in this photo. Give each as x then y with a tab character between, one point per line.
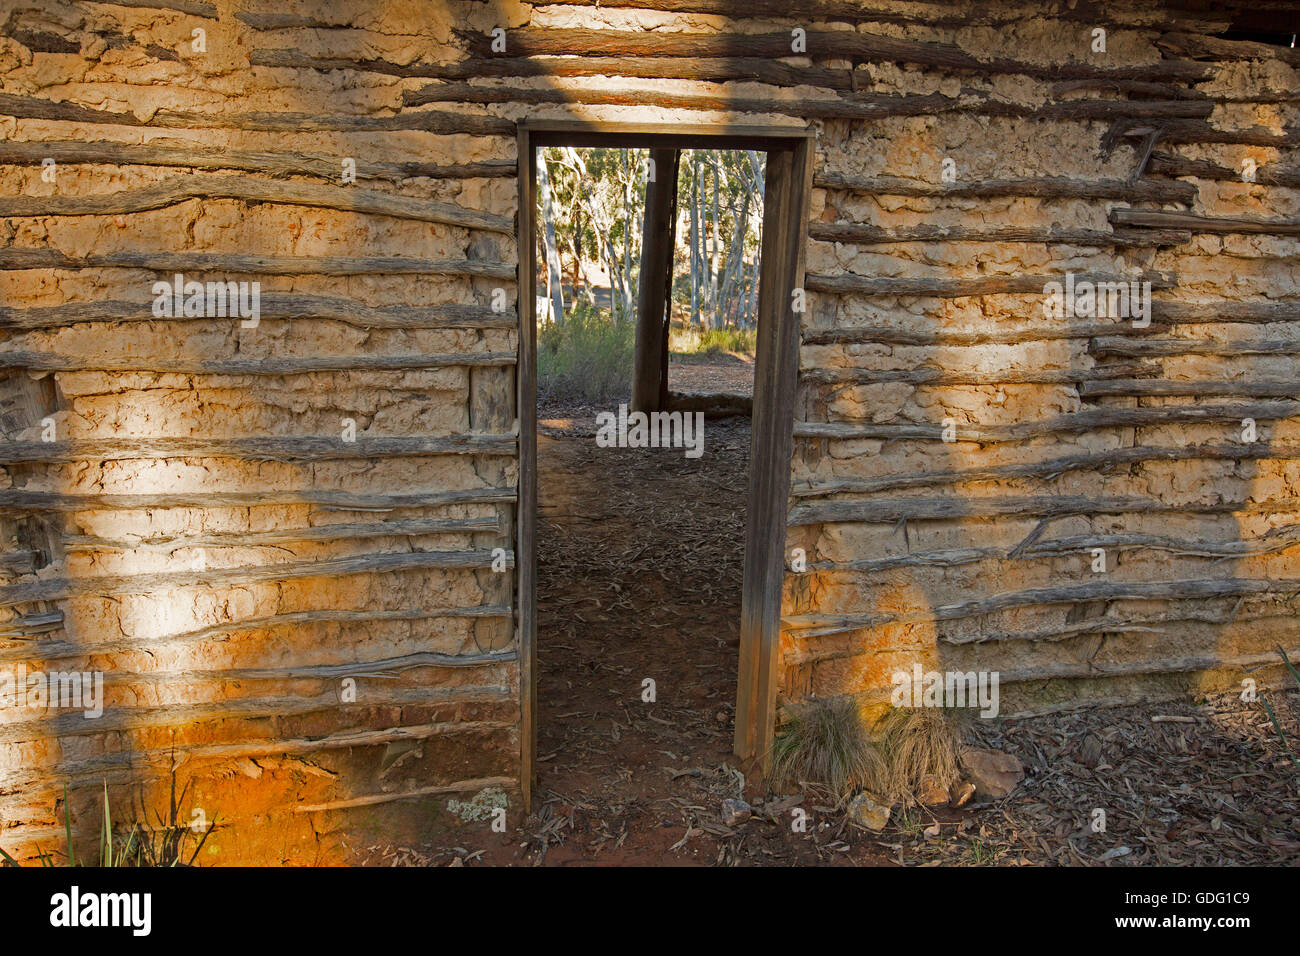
276	541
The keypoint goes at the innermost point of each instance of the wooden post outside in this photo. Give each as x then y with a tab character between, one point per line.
650	369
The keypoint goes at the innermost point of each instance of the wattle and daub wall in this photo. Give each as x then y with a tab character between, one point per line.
276	539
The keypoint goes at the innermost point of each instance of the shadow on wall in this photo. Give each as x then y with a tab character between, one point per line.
1086	536
194	592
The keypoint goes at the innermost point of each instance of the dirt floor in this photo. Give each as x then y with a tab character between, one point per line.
639	578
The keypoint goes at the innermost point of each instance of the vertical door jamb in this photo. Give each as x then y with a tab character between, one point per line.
526	406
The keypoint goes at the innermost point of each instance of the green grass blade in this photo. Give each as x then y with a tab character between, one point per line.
1295	674
1280	736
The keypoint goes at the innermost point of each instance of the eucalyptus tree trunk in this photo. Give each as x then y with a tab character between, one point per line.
554	280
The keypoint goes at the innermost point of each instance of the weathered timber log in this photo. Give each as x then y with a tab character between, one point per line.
1077	545
62	649
1198	47
880	335
1176	130
1048	469
386	668
248	189
703	69
816	625
1189	346
1255	389
135	718
962	288
259	539
1130	624
57	589
269	164
256	265
860	106
127	765
32	107
1045	187
22	559
863	234
889	510
460	786
1159	219
1171	164
21	500
273	305
192	8
50	362
1226	312
29	625
1171	665
940	376
851	45
268	448
1140	88
1069	423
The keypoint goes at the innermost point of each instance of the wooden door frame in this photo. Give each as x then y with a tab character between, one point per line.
785	217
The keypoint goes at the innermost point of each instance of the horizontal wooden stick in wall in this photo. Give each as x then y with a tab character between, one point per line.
850	44
128	764
33	107
1077	545
1172	164
942	288
1043	187
1188	346
268	448
1069	423
62	649
208	262
1177	130
281	536
273	306
943	338
941	376
50	362
27	626
862	234
1047	469
370	800
137	717
56	589
1159	219
1251	389
250	189
816	625
271	164
863	106
22	500
1182	43
703	69
891	510
386	668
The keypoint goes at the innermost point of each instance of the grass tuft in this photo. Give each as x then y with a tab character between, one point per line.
692	340
826	744
586	359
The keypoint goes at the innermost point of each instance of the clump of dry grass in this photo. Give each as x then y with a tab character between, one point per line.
825	744
915	743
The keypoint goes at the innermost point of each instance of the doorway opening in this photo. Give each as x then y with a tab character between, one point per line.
601	514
